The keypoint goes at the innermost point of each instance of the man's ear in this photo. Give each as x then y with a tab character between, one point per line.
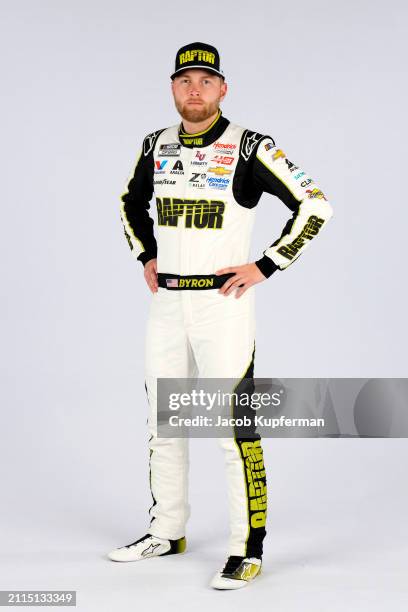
224	89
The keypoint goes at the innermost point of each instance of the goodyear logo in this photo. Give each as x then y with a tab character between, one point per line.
196	54
201	214
219	171
310	230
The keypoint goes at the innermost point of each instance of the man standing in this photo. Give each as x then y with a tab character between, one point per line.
208	175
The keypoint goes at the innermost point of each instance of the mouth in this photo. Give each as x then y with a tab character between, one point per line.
194	102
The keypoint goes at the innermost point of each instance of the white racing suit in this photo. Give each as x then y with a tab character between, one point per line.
207	186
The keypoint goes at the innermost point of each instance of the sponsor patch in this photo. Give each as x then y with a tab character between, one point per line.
310	230
217	182
159	166
224	146
197	180
316	193
291	166
196	176
170	150
164	181
199	55
192	213
278	154
223	159
177	168
187	140
219	171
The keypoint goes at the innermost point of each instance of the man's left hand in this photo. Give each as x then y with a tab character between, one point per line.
246	275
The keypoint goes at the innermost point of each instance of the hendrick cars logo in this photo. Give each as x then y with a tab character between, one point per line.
224	146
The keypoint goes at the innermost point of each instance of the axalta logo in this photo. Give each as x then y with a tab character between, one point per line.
219	171
310	230
200	214
197	54
222	145
177	168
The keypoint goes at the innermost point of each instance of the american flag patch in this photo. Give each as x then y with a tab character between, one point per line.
172	282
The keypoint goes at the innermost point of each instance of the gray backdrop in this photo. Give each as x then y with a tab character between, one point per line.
82	83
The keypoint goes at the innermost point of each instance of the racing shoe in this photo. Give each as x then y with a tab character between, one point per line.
148	546
237	573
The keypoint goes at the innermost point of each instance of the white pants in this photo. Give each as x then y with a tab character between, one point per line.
208	334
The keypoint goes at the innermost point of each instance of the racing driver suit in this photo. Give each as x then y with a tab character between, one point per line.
206	187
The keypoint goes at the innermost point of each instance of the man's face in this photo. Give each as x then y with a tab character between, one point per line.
197	94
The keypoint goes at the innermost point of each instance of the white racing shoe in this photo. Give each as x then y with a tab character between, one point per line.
237	573
148	546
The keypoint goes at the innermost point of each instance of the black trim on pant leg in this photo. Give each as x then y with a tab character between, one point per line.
150	469
252	458
176	546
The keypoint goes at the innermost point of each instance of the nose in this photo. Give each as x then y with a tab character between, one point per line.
194	91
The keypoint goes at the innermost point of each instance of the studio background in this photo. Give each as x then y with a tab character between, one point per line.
82	84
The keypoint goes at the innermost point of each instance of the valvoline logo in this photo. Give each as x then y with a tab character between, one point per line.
160	164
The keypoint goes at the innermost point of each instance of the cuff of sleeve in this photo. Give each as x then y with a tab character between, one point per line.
267	266
146	256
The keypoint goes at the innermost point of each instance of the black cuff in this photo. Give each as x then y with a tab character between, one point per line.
146	256
267	266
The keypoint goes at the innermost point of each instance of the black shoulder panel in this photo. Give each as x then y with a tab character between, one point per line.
150	141
244	189
249	143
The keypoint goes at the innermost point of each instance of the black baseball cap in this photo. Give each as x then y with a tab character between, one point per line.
197	55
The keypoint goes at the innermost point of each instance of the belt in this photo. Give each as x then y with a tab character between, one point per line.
194	282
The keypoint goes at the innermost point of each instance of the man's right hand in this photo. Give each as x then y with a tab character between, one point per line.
150	274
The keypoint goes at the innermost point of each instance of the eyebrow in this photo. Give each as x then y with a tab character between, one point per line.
188	76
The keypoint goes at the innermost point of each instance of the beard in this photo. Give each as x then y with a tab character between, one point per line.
196	114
